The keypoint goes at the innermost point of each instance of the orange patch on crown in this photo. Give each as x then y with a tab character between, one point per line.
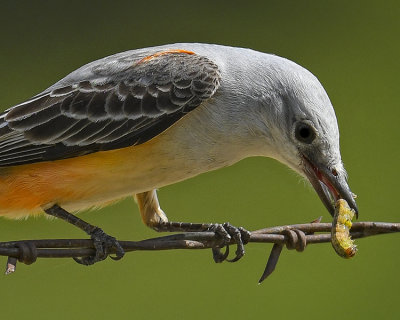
161	53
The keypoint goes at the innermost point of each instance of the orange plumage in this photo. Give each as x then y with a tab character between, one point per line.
76	183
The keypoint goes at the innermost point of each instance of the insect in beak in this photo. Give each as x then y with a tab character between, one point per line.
329	185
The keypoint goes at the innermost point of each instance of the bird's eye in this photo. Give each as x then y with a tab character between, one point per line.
305	133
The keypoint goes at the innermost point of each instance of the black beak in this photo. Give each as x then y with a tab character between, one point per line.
329	185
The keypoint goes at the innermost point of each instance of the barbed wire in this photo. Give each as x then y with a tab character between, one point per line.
295	236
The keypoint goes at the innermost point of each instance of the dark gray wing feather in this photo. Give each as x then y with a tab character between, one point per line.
125	108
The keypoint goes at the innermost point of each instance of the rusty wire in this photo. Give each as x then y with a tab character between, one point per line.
296	236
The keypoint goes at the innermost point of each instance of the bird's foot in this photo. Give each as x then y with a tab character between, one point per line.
103	244
227	232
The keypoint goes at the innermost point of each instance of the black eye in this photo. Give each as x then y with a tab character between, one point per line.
305	133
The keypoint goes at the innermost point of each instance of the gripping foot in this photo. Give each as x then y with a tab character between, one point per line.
239	235
155	218
103	243
226	232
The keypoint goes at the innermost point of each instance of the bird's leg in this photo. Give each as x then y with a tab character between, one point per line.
155	218
150	210
102	241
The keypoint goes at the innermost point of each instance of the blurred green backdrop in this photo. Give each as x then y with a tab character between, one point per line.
353	48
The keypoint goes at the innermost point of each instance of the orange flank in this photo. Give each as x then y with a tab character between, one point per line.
145	59
100	178
75	184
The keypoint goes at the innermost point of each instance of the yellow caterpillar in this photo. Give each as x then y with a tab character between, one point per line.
341	240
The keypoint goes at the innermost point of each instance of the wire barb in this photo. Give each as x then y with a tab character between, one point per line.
296	236
296	239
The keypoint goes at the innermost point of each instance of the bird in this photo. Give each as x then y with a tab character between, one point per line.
133	122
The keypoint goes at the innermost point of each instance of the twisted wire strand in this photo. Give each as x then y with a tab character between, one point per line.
296	237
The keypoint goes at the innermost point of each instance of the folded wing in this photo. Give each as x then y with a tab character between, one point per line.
118	110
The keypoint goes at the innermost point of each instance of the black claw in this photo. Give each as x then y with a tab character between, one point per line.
102	243
228	232
218	256
116	258
86	261
77	260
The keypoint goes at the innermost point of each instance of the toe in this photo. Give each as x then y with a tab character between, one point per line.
86	261
227	232
103	244
218	256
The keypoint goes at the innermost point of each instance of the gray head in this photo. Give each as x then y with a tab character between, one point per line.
295	118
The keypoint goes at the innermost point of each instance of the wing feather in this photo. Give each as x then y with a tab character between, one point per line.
109	109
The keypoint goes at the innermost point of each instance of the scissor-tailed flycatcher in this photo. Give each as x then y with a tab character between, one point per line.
139	120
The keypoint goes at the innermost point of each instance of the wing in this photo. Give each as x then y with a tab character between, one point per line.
124	108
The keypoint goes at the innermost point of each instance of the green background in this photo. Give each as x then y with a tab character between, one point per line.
352	47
